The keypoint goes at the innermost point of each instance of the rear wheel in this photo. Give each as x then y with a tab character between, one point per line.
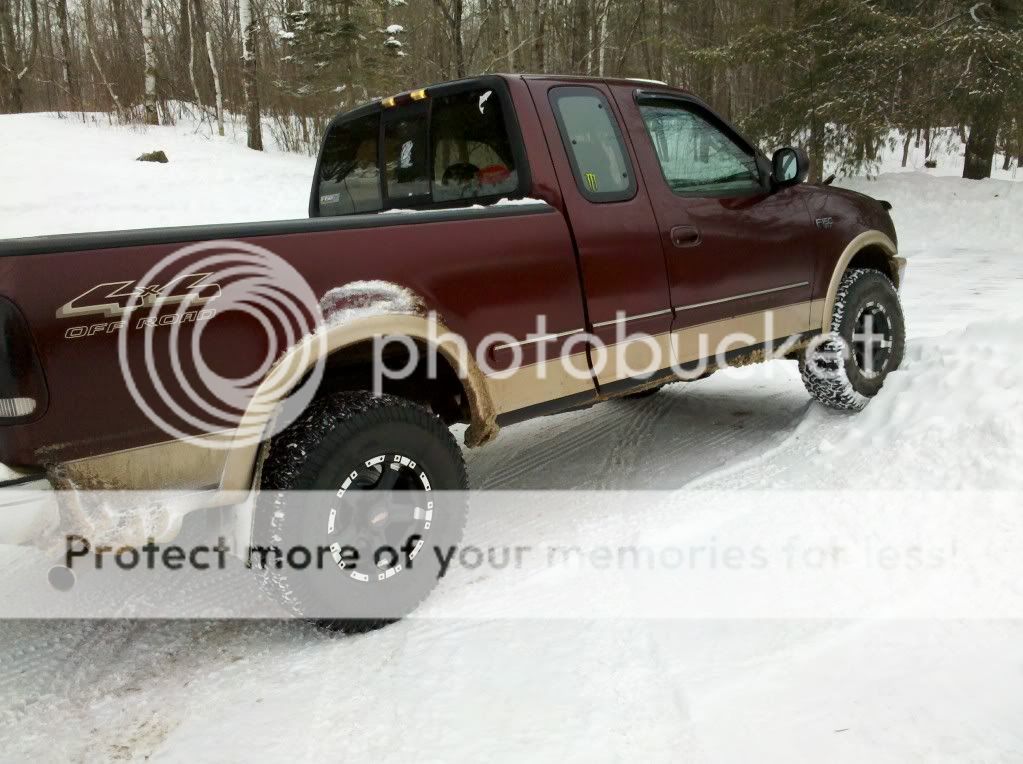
866	343
363	481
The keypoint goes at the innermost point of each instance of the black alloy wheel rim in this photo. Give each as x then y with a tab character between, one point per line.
383	511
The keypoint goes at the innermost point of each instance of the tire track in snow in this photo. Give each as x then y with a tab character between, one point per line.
541	452
664	442
627	452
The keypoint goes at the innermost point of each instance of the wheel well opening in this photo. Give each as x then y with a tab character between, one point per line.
876	258
421	374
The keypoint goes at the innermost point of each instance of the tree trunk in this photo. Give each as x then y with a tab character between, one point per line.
456	34
216	85
18	63
980	146
11	57
816	152
580	37
89	37
187	24
660	40
65	54
152	116
506	33
185	40
200	27
539	28
248	29
905	148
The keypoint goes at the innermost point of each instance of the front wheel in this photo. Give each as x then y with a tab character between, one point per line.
373	488
866	343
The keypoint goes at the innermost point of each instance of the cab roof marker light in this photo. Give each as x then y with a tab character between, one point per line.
418	95
389	102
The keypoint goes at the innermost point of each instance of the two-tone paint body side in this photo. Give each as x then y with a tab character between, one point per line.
481	271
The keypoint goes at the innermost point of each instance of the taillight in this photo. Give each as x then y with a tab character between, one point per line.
22	384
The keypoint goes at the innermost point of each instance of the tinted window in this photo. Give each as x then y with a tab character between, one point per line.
697	158
594	144
472	155
406	165
349	175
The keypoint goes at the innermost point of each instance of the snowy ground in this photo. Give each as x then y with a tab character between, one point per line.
574	689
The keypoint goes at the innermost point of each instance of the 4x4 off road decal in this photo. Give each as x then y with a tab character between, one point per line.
116	299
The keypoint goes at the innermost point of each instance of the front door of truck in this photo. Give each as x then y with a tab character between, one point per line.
615	231
739	257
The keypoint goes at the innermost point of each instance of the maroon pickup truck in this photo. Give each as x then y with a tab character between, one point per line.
583	238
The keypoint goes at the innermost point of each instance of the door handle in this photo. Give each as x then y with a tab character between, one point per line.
683	236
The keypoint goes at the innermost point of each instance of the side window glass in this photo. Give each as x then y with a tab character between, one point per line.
472	154
594	144
696	157
349	180
406	167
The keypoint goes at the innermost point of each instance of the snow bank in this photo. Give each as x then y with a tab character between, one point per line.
934	214
63	176
950	418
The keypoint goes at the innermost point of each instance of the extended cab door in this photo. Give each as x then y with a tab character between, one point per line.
616	234
739	257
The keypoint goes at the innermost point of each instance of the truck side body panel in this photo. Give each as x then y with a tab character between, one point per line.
482	274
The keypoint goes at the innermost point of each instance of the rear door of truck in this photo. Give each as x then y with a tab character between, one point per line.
616	235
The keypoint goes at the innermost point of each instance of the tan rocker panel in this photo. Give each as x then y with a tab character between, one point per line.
540	383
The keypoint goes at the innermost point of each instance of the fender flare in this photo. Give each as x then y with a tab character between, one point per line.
241	466
861	242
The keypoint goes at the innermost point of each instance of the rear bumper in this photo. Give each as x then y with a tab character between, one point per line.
27	506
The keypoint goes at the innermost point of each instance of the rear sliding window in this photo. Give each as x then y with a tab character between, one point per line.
472	154
446	149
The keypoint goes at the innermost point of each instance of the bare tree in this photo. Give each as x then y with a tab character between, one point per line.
453	12
152	117
19	54
90	44
249	24
216	86
70	81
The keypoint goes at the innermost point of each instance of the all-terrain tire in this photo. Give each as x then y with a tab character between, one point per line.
335	438
867	305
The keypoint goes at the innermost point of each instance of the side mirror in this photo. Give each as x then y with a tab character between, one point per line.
789	167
